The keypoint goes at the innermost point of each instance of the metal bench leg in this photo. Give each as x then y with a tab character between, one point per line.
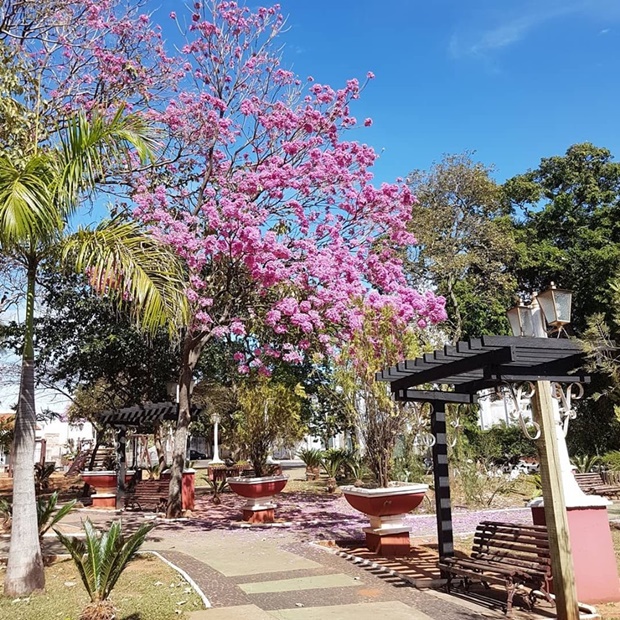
510	589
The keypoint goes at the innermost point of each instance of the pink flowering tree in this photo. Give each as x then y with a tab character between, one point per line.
269	205
286	242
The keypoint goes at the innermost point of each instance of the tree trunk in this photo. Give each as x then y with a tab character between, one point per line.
24	571
159	447
191	352
93	454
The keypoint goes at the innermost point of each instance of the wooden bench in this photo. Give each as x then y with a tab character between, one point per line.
507	554
594	484
147	495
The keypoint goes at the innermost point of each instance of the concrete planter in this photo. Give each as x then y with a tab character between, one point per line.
259	507
103	481
386	508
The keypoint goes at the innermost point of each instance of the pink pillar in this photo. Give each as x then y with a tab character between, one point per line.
596	574
188	489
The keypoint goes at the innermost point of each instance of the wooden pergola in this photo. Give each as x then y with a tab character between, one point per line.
455	374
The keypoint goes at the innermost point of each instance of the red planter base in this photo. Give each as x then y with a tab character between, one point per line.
104	500
389	544
264	515
258	491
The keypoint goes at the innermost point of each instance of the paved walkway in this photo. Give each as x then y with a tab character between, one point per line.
267	573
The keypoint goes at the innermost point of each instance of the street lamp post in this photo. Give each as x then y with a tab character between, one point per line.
560	489
215	419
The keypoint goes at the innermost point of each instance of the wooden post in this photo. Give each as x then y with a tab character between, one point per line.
442	481
121	442
555	507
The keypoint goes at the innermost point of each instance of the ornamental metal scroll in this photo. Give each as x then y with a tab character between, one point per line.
565	398
423	438
521	397
455	424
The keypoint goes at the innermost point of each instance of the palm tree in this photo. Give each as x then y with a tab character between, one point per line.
38	196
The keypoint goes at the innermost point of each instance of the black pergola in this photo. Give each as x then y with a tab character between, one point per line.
455	374
142	418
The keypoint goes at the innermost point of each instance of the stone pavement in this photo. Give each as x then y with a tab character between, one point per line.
279	573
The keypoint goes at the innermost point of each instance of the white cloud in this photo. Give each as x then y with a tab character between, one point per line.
494	31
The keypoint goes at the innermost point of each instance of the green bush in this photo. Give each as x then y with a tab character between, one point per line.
611	460
100	560
311	457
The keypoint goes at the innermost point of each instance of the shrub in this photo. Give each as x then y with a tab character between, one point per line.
311	457
100	561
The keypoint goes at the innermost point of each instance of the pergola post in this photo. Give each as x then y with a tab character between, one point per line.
121	442
554	505
443	507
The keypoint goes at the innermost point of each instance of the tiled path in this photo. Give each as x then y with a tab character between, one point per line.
277	574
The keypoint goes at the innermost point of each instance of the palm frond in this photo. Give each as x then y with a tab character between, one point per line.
122	551
92	559
122	258
92	147
77	551
27	209
46	517
104	555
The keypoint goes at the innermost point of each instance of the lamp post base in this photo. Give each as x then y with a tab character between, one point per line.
596	573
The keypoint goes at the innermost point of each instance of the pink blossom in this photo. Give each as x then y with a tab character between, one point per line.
260	190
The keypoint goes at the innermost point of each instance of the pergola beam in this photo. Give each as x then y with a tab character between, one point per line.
435	396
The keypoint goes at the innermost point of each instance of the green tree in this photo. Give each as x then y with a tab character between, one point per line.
269	414
380	420
466	244
39	192
569	232
84	339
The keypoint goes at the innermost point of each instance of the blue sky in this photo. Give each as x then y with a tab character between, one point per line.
514	80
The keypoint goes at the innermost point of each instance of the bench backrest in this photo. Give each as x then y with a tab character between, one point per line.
589	479
525	546
151	486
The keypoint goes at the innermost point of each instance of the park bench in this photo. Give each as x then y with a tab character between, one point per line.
147	495
593	483
506	554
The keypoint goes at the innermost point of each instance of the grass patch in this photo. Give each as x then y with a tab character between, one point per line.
148	589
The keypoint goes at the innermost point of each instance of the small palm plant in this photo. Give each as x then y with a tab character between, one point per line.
100	560
332	464
6	511
586	463
312	458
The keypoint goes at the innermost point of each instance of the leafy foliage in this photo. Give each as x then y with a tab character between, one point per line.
311	457
269	414
570	232
42	475
586	463
465	242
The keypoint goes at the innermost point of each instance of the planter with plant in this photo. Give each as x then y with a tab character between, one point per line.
312	458
100	560
332	463
381	422
269	414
